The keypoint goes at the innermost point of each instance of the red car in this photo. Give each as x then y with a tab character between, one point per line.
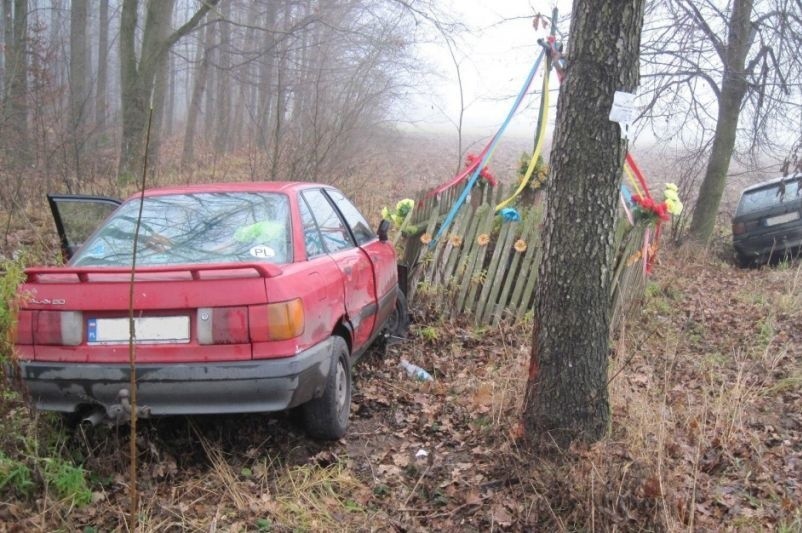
246	298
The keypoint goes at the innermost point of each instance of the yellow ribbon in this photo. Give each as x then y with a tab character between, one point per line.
632	180
538	148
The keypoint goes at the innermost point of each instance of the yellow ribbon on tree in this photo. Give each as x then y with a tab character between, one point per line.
538	146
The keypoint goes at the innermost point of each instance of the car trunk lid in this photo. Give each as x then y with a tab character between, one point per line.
181	313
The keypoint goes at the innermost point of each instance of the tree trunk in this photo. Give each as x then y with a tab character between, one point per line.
79	83
15	138
281	95
733	90
566	394
101	99
204	48
162	12
224	84
137	77
266	68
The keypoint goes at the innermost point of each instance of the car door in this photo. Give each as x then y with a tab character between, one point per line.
77	217
358	284
380	253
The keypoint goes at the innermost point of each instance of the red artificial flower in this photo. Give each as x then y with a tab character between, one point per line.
485	174
647	204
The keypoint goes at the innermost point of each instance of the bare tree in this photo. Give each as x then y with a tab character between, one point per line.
15	137
101	100
195	103
717	73
138	75
79	80
566	394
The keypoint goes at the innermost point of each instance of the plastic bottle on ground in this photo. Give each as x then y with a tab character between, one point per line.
415	371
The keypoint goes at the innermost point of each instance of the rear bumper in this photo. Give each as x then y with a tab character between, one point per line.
762	246
182	389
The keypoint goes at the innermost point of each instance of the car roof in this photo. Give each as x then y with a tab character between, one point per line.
771	182
245	186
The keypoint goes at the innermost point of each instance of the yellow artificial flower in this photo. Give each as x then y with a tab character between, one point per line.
425	238
671	196
483	239
456	241
520	246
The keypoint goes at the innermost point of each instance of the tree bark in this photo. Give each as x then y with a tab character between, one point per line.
137	77
79	82
566	394
733	90
16	138
101	98
162	12
204	48
224	85
266	68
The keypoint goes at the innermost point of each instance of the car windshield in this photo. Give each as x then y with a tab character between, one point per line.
774	194
194	228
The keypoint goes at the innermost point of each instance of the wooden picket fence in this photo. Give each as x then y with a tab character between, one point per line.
486	268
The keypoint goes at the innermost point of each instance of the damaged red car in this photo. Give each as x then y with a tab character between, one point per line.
252	297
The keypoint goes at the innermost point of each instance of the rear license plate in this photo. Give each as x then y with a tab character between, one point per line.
782	219
149	330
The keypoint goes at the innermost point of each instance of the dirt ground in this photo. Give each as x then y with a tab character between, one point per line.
706	392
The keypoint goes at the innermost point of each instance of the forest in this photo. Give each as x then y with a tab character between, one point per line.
625	376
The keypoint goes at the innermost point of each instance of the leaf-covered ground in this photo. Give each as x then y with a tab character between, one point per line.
706	389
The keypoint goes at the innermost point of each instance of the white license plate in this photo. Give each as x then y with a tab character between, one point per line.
782	219
149	330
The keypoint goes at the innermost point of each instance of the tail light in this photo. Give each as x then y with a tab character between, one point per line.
285	320
58	328
23	332
223	325
738	228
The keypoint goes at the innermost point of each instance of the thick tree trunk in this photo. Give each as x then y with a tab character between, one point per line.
733	90
566	396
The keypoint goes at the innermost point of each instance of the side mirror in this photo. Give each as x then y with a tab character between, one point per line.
384	227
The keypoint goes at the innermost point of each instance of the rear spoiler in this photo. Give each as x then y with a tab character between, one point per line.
265	270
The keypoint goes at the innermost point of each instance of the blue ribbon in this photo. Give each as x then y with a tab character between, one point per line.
461	200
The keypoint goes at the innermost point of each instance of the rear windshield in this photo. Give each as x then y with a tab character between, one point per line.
194	228
764	197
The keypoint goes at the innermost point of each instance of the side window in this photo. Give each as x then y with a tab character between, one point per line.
359	226
334	232
312	239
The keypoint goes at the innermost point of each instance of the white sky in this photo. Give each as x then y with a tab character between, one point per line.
495	55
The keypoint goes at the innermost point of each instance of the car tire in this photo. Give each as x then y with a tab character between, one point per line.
743	261
398	322
326	417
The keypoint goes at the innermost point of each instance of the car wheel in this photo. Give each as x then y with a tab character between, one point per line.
398	322
326	417
743	261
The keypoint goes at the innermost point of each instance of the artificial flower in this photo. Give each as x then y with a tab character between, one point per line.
520	246
650	209
456	241
485	174
672	201
483	239
403	207
425	238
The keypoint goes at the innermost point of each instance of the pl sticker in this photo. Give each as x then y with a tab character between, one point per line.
263	252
